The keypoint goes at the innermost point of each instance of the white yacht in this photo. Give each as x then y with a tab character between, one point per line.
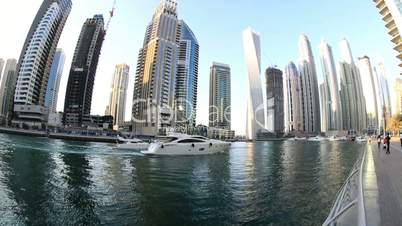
186	145
317	139
132	144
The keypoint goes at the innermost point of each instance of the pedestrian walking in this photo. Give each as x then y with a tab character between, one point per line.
400	136
379	141
388	140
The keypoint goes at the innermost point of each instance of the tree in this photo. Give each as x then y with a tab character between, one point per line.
395	124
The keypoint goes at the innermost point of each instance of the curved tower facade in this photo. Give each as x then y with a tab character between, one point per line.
370	93
352	97
187	77
255	109
39	49
333	114
309	87
78	100
292	99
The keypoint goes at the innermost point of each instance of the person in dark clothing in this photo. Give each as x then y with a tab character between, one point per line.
388	139
379	141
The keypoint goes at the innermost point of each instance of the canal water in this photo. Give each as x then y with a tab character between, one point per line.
54	182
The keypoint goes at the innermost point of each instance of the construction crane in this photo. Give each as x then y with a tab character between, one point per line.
111	14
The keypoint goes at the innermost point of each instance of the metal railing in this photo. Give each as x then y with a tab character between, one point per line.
348	208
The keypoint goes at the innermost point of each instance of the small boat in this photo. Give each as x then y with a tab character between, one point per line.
361	140
335	138
186	145
132	144
300	138
317	139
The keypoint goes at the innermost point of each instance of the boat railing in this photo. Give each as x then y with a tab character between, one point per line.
349	208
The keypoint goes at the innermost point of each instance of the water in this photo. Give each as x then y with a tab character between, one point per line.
54	182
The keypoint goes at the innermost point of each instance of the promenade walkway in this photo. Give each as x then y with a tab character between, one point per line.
388	169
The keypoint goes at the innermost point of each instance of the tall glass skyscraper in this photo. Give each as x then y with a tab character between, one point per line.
187	77
383	97
220	96
1	67
255	109
39	49
309	87
275	104
391	13
53	85
77	104
352	97
118	97
333	114
7	89
292	100
370	93
155	82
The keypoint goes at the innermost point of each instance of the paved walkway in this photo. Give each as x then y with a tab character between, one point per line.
389	178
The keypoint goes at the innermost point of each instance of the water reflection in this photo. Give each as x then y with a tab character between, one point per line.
268	183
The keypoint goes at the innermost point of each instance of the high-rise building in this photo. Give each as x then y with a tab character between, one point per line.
384	86
369	91
292	100
391	12
7	89
187	77
118	97
275	104
324	107
383	97
36	60
398	96
309	87
52	91
220	96
352	97
1	67
255	109
154	89
333	114
77	104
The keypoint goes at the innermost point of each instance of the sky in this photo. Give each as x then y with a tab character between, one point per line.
218	26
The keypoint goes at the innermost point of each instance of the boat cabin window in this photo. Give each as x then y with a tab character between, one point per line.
202	138
190	141
167	139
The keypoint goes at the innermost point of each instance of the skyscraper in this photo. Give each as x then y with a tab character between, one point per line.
187	77
391	12
7	90
309	87
384	86
398	96
154	89
324	107
292	100
255	112
382	95
118	97
275	104
1	67
53	85
77	104
39	49
369	91
352	97
333	112
220	96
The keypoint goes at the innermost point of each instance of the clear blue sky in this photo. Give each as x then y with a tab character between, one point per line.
218	25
